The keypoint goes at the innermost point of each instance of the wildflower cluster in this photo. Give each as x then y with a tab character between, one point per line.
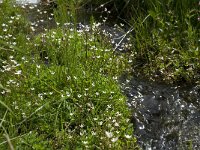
59	90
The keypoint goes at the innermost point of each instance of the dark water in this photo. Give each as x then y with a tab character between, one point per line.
40	17
165	117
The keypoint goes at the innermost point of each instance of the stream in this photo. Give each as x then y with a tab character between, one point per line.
165	117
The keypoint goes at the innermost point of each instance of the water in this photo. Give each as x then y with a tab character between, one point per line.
165	117
26	1
29	1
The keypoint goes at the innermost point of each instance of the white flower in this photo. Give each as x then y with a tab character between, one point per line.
32	28
85	142
130	61
3	92
38	66
128	136
79	31
116	124
81	133
11	57
115	78
118	114
100	123
31	7
109	134
23	115
18	72
114	139
141	127
68	94
52	72
94	133
108	106
102	5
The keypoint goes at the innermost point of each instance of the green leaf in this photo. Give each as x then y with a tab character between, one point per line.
4	88
2	103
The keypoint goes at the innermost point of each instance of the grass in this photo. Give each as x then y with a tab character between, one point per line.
59	89
166	37
167	41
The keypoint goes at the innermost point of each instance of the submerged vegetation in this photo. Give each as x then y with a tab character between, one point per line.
59	88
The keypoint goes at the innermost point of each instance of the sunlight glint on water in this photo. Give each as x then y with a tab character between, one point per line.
26	1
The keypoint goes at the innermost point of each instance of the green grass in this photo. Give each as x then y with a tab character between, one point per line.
166	42
59	89
166	37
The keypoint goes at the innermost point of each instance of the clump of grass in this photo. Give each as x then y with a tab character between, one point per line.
13	26
166	41
59	91
166	36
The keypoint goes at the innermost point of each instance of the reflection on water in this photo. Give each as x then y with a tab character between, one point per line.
26	1
29	1
165	117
